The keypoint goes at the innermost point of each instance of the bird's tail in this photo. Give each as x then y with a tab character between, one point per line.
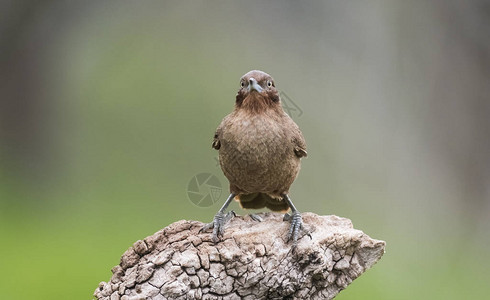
261	200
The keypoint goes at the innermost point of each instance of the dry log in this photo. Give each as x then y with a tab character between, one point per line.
252	261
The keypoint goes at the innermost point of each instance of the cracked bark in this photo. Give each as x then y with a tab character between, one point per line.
252	261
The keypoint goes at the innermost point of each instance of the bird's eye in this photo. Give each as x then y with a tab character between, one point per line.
242	83
269	83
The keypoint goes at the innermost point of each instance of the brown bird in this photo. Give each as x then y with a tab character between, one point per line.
260	148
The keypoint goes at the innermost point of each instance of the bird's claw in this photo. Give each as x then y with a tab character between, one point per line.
256	218
296	225
218	224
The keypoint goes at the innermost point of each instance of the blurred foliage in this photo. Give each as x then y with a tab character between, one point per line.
108	110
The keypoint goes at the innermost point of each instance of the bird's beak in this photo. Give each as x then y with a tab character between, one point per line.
253	85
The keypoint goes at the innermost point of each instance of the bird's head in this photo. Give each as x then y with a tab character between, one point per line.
257	92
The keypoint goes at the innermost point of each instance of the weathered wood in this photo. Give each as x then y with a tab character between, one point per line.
253	261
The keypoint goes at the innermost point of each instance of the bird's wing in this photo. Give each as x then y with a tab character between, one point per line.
219	131
216	143
298	142
217	134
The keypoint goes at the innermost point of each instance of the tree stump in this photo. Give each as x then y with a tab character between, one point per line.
252	261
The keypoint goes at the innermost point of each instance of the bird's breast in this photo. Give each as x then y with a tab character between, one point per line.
257	136
257	154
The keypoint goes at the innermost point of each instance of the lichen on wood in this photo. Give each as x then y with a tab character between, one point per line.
252	261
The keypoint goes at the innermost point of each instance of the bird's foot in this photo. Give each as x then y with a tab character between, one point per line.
256	218
296	225
218	224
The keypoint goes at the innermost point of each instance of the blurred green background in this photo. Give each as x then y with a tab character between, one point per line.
108	108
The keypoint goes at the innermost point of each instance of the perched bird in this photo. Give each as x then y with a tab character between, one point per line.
260	148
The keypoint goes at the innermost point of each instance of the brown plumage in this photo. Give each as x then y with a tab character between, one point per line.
259	145
260	148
